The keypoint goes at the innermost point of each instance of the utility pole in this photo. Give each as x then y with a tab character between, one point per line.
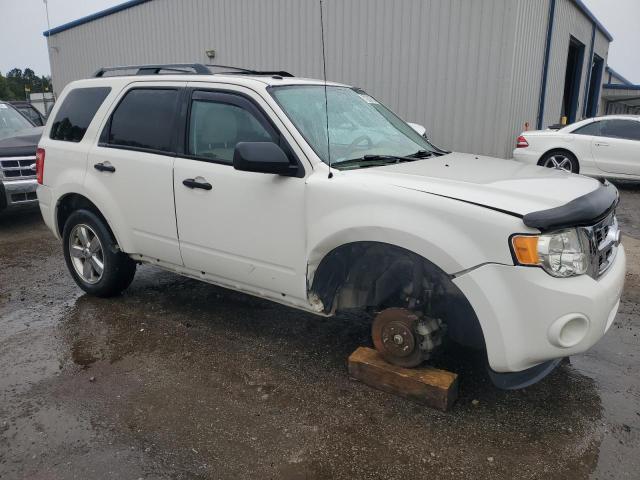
46	8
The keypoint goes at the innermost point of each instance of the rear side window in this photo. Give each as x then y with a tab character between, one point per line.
145	120
590	129
626	129
76	112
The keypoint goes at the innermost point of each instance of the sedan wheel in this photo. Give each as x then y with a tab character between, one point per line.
87	255
560	162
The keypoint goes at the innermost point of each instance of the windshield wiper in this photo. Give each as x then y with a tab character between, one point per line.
370	160
377	160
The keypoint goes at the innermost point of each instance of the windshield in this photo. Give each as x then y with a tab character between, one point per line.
11	121
359	125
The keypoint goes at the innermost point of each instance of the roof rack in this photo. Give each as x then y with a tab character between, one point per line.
245	71
187	68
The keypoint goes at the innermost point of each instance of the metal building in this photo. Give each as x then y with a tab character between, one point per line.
472	71
619	95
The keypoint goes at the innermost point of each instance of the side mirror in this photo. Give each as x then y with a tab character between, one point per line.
262	157
420	130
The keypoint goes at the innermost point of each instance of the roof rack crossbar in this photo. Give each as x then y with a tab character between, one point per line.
247	71
188	68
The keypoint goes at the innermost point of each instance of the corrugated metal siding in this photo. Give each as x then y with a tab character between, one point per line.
470	71
442	63
569	22
530	33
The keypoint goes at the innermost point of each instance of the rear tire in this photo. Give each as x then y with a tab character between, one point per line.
93	257
561	160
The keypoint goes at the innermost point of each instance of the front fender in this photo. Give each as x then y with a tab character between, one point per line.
453	235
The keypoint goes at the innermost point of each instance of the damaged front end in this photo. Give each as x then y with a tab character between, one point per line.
377	278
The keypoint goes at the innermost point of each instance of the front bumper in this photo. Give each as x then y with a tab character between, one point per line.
17	194
529	317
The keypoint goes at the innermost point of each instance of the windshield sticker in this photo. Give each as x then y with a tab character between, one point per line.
368	99
2	105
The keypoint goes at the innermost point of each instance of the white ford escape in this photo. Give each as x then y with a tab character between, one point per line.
225	177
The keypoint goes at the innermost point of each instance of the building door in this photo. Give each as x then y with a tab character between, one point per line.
593	95
572	78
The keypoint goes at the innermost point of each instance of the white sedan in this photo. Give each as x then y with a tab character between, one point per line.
600	147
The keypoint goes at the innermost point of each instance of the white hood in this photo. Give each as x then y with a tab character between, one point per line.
503	184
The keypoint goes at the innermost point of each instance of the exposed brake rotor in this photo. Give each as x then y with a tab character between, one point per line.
404	337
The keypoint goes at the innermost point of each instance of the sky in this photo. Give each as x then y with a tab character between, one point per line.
23	21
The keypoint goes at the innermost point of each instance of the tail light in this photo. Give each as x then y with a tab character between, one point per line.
521	142
40	165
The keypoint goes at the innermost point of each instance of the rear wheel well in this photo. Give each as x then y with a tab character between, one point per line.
375	276
73	202
546	154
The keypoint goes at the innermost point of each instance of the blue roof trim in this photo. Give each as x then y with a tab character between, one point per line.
618	76
617	86
580	4
94	16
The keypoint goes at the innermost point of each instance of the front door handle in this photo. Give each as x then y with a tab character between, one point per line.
193	183
600	144
104	167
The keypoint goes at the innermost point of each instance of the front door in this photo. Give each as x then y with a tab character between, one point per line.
245	229
617	148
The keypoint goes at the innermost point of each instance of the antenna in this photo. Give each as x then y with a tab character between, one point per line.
326	101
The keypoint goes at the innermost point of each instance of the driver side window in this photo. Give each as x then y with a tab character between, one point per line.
215	128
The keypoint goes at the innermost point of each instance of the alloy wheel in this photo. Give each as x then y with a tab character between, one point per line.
560	162
87	254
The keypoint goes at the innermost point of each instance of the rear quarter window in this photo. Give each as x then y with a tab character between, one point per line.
144	120
76	112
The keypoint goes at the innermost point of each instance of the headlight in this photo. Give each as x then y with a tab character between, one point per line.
562	254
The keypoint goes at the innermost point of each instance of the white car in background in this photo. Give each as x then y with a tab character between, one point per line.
599	147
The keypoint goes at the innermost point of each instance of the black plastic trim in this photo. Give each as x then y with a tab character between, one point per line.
525	378
582	211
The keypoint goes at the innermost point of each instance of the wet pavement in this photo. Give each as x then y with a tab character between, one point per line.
179	379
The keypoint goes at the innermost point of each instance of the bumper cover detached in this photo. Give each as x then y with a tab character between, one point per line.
529	317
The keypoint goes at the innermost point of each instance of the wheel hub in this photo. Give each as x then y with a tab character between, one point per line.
398	339
405	337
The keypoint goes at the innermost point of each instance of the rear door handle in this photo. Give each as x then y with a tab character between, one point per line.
104	167
193	183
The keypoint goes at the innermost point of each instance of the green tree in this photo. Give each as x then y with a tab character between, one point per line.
12	87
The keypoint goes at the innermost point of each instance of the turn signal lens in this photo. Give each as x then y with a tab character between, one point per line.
525	248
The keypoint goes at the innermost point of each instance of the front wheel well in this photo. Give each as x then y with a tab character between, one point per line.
375	276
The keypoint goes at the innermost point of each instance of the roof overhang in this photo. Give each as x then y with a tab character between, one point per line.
627	94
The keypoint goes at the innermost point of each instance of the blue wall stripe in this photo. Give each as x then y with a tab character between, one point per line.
589	70
545	68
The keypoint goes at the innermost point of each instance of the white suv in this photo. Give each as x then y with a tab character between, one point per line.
241	179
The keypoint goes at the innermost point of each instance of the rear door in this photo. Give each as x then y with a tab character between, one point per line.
131	169
617	147
244	229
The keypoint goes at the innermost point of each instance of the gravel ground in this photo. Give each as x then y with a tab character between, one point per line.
179	379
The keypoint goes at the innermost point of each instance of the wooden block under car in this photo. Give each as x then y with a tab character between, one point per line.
430	386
